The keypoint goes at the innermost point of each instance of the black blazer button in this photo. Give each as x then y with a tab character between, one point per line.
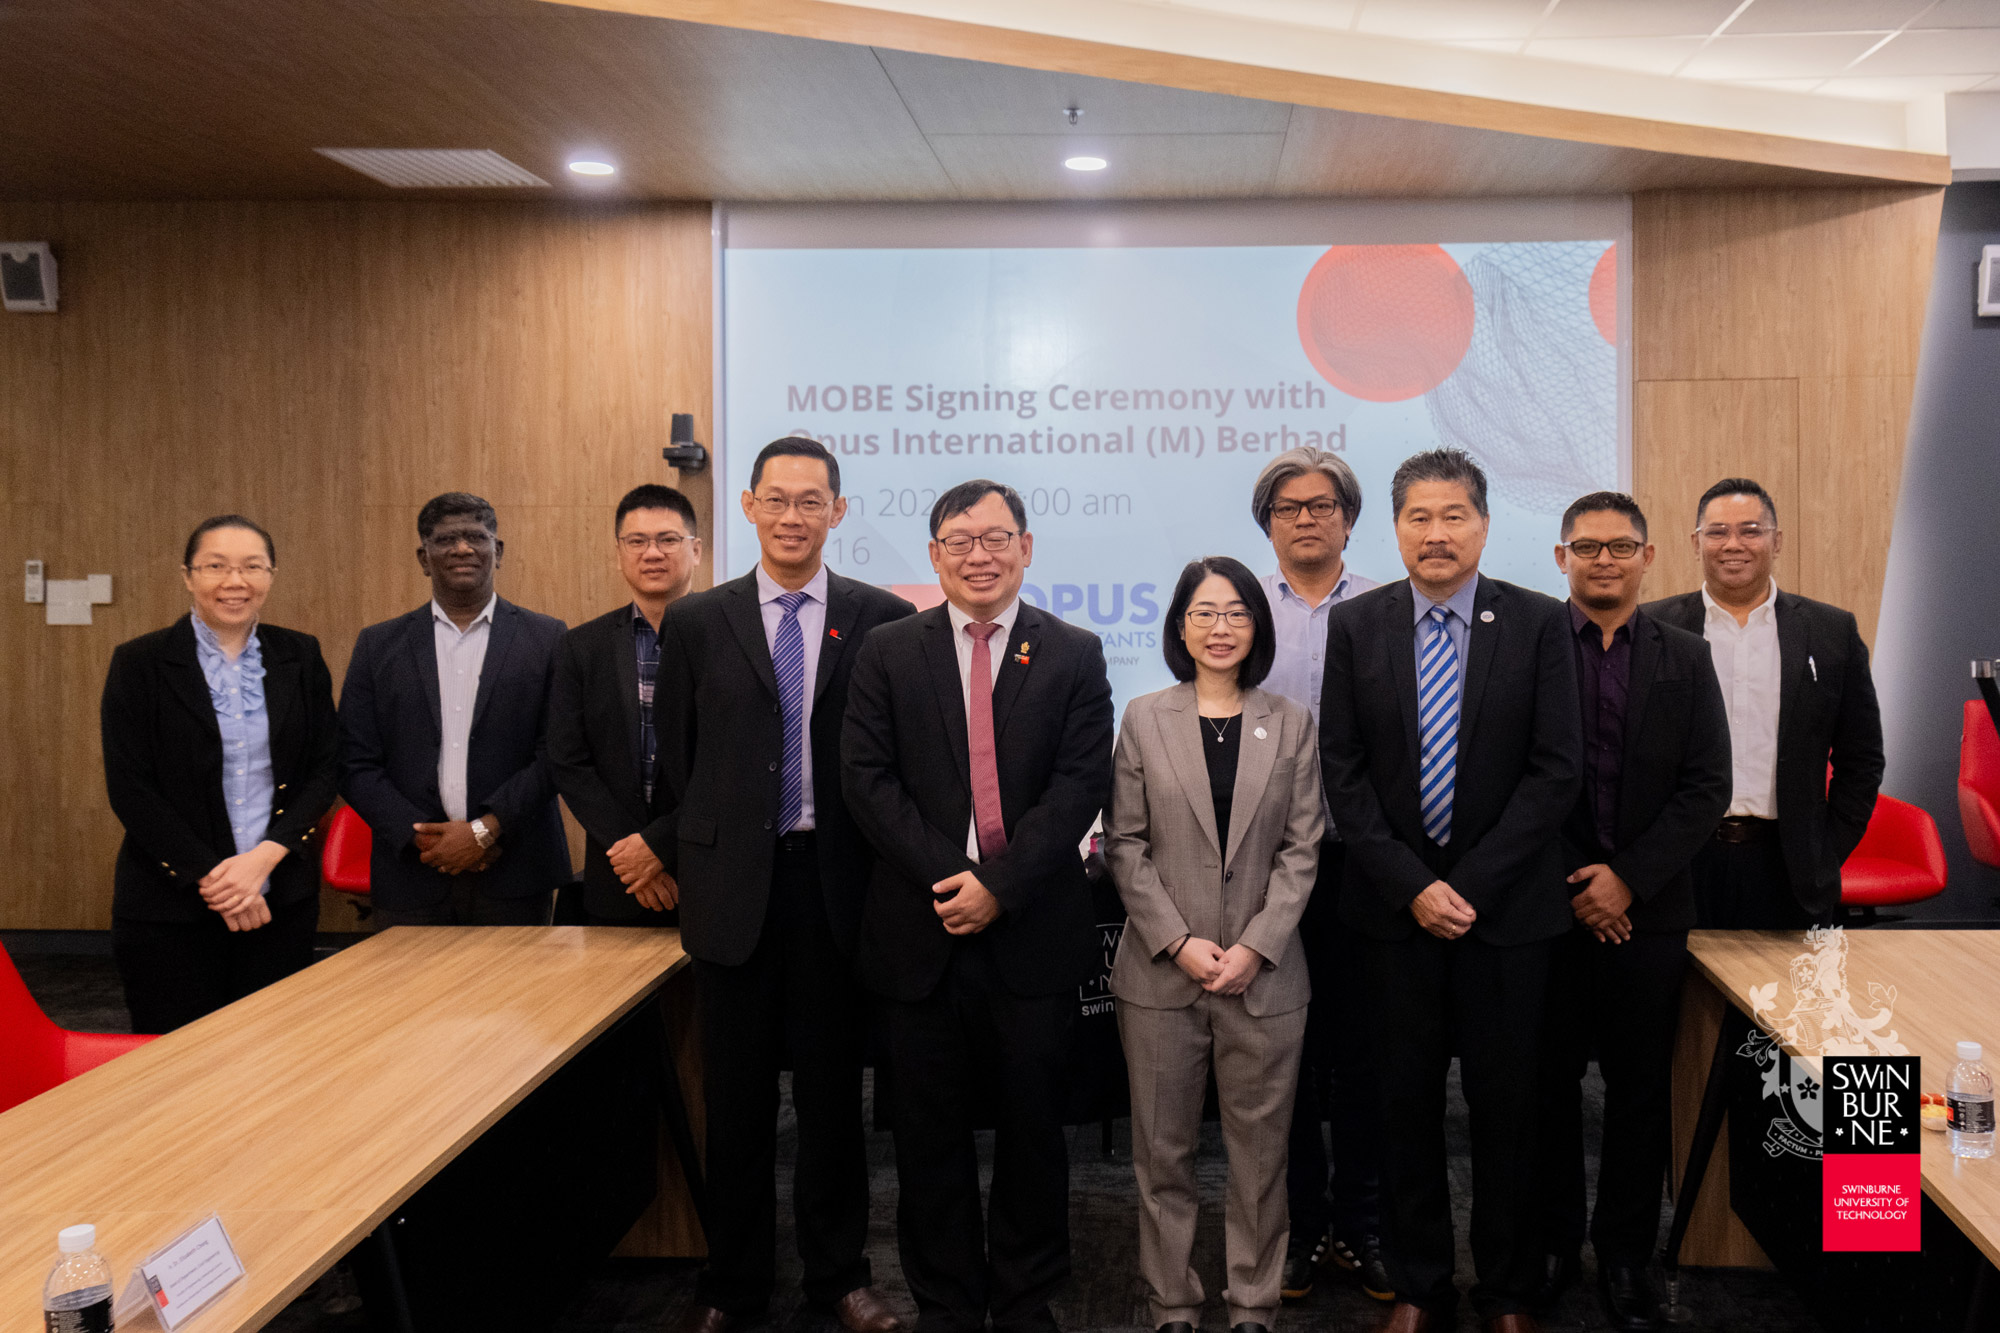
1228	875
776	709
774	766
768	824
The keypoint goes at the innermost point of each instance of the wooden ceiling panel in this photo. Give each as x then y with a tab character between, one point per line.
228	98
948	96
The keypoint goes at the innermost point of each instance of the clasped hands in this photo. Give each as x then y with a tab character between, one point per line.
449	846
235	886
964	904
1217	970
1601	906
642	874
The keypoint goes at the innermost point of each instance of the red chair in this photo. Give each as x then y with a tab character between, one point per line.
35	1054
343	856
1979	783
1900	860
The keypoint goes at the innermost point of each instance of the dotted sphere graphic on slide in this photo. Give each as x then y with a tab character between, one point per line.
1385	323
1535	398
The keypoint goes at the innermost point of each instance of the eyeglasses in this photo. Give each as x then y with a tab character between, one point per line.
1238	619
478	540
1287	511
638	542
1583	548
960	543
810	507
215	571
1716	534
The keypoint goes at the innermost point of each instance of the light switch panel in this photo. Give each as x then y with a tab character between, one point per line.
35	592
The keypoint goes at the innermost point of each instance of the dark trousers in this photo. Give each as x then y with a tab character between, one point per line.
1334	1080
972	1052
1622	1003
1430	998
464	905
176	971
1744	886
792	1004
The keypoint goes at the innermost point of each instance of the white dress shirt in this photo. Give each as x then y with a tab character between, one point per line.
1001	644
1299	667
461	655
812	626
1746	662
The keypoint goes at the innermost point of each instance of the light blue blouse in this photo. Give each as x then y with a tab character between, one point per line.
237	691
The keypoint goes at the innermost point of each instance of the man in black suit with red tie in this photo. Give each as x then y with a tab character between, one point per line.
770	871
1450	743
978	754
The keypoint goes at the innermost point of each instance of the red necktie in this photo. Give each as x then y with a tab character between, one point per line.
979	735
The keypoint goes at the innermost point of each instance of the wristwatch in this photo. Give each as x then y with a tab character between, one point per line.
481	834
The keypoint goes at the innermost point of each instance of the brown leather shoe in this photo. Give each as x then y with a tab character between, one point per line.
1408	1318
862	1311
1513	1323
703	1319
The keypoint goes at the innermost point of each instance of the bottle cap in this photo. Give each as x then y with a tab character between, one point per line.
72	1239
1970	1051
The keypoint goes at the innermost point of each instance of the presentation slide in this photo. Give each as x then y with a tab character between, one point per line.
1131	394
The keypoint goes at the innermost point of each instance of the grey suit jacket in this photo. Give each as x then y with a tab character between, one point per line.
1161	846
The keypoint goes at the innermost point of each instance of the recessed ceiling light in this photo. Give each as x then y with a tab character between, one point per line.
584	166
1085	163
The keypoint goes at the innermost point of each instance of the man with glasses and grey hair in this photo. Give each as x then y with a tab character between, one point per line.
1307	501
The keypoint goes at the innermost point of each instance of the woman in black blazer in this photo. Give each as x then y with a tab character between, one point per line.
220	756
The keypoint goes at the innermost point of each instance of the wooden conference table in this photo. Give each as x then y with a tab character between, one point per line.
1947	986
306	1114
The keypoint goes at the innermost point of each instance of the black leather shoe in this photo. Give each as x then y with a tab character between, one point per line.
1176	1326
1559	1274
1627	1292
703	1319
1247	1327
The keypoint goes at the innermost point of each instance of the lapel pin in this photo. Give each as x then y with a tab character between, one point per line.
1259	733
833	634
1024	645
1486	616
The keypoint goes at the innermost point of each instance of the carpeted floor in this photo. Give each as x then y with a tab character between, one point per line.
74	979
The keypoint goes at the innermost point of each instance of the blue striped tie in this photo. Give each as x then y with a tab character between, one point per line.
788	660
1437	726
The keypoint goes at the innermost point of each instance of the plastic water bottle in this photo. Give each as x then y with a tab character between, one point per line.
1968	1102
77	1296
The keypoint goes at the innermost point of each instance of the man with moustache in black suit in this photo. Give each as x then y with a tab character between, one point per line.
978	754
1450	745
771	869
1655	781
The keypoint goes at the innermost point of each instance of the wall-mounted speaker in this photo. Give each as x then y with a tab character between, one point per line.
1988	296
27	276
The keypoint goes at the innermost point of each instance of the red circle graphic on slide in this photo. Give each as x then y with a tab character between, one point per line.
1385	322
1604	294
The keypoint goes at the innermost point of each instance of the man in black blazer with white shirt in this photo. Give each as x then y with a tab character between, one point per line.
770	871
441	727
1450	744
978	754
1801	702
1656	780
603	705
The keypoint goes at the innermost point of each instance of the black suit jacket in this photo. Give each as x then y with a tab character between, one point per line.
1519	763
390	733
163	769
594	754
1673	778
722	751
1826	713
908	781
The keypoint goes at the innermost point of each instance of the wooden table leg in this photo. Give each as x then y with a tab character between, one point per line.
1709	1233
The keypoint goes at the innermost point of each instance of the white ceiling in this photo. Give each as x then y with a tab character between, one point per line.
1877	50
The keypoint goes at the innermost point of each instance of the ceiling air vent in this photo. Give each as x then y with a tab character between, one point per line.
434	168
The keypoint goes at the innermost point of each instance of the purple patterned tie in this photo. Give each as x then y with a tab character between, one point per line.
979	735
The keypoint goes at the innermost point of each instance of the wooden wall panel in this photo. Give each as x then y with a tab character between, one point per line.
1766	316
324	368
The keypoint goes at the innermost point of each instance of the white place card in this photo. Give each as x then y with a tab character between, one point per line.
183	1276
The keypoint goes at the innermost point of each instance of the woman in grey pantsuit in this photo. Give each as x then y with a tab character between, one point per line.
1212	838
